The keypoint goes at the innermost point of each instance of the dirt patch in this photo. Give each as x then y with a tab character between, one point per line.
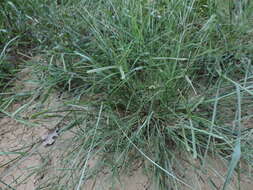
212	176
18	157
136	179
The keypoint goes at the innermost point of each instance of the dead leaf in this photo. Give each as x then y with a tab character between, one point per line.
49	138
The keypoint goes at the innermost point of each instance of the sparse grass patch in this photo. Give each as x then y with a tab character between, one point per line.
169	74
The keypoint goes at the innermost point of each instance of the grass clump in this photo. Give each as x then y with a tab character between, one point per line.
165	71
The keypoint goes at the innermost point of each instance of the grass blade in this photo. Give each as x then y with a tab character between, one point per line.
236	155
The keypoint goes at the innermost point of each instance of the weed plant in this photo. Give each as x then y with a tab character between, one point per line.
169	75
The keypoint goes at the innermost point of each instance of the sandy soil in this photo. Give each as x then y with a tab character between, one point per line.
212	176
18	138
